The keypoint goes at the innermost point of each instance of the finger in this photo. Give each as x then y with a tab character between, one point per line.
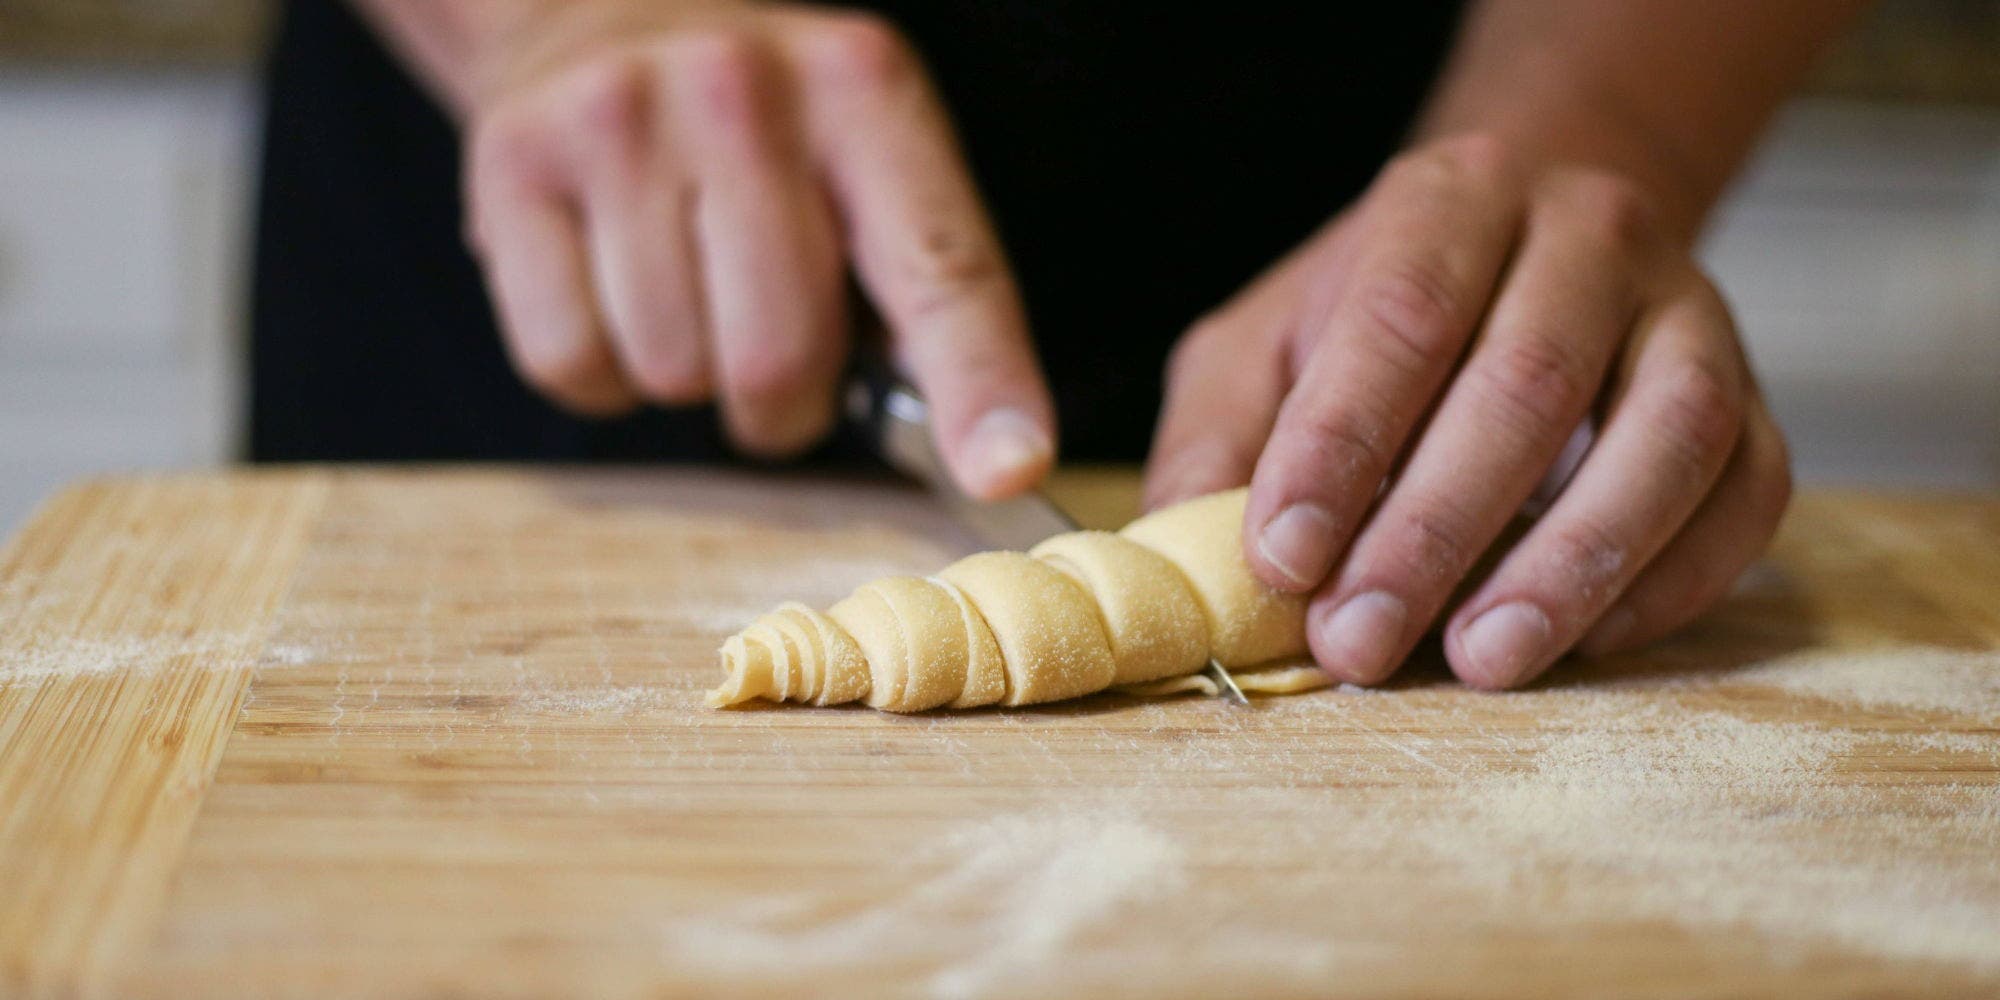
1665	440
1432	245
532	255
770	258
637	208
1568	303
1727	532
1224	382
928	257
1221	399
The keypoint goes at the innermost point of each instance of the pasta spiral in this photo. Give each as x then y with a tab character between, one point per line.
1084	611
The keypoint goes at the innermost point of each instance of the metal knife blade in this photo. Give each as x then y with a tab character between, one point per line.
899	422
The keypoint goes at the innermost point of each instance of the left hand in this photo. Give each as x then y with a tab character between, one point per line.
1446	336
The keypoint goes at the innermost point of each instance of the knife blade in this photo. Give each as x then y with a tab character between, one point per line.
898	423
896	420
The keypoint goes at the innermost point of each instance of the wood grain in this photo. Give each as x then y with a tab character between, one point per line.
472	761
133	613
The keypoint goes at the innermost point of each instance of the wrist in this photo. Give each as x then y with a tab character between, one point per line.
1551	112
468	51
445	42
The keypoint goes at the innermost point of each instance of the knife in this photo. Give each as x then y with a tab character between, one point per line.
896	421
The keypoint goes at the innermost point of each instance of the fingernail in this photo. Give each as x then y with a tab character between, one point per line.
1360	636
1007	451
1505	644
1299	543
1609	632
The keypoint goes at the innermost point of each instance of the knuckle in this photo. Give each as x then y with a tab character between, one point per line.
1346	442
608	104
1481	158
863	51
1439	544
1588	553
729	74
1702	415
1613	211
947	265
1536	386
1412	311
503	161
506	143
1416	168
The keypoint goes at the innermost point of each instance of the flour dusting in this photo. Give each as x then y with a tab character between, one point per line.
1710	820
1554	811
591	701
77	657
1940	680
1058	877
1017	890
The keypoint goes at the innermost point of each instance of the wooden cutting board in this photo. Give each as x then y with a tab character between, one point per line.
382	734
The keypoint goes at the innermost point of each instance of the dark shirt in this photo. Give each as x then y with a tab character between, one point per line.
1142	164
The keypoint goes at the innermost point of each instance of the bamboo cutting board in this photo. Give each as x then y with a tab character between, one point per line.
427	733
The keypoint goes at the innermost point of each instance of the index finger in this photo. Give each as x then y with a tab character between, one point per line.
1436	236
927	255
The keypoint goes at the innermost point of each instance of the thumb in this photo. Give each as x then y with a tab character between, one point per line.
1222	395
1225	382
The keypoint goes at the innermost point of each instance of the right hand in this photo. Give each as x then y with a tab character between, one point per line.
665	198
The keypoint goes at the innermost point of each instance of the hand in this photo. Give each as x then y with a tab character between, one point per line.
666	197
1446	336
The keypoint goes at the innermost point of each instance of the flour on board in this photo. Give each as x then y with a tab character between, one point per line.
1941	680
1034	882
76	657
1614	803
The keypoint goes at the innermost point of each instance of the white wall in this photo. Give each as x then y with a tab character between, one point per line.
124	207
1862	252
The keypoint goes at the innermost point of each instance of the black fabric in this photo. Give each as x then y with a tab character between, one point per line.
1142	163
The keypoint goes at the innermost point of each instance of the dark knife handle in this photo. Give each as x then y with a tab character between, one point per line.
893	419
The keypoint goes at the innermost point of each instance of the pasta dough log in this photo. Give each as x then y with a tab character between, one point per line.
1153	621
933	643
1143	609
913	638
872	623
1049	636
1248	622
985	665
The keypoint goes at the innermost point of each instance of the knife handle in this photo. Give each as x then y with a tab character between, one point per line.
894	420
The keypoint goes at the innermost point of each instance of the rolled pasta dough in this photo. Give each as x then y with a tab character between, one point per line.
1143	609
1248	622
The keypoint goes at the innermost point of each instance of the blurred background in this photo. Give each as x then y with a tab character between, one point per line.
1861	249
